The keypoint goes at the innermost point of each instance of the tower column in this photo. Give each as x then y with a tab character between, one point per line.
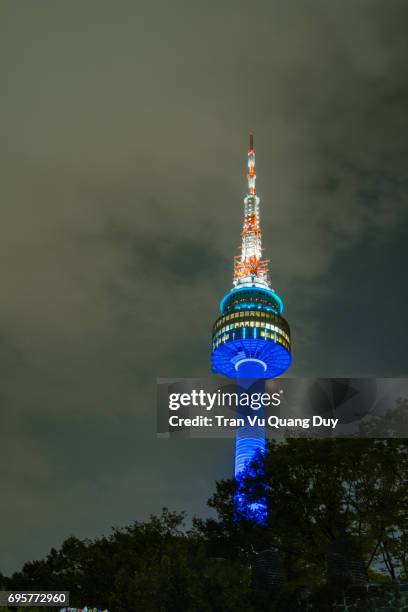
251	339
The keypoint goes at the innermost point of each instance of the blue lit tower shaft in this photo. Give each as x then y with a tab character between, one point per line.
248	439
251	339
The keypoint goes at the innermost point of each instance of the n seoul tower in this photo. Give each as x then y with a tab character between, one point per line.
250	339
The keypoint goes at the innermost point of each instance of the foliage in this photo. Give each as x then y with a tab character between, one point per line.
149	566
316	492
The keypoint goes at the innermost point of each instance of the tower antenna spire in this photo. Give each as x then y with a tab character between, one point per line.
250	268
251	140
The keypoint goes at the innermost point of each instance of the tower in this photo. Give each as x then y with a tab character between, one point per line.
250	339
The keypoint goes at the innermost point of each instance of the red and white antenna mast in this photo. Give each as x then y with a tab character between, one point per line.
250	269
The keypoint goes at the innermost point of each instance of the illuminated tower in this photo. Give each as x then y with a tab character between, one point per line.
250	339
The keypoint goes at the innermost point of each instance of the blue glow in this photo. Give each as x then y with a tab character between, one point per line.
247	443
244	354
276	357
268	292
252	306
250	367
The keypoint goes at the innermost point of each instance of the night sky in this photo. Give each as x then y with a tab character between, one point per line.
123	150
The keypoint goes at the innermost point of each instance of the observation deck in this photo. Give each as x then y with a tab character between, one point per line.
251	338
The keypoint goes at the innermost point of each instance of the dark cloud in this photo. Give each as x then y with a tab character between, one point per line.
123	154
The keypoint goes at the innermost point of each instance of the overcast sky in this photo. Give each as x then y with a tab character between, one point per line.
123	150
